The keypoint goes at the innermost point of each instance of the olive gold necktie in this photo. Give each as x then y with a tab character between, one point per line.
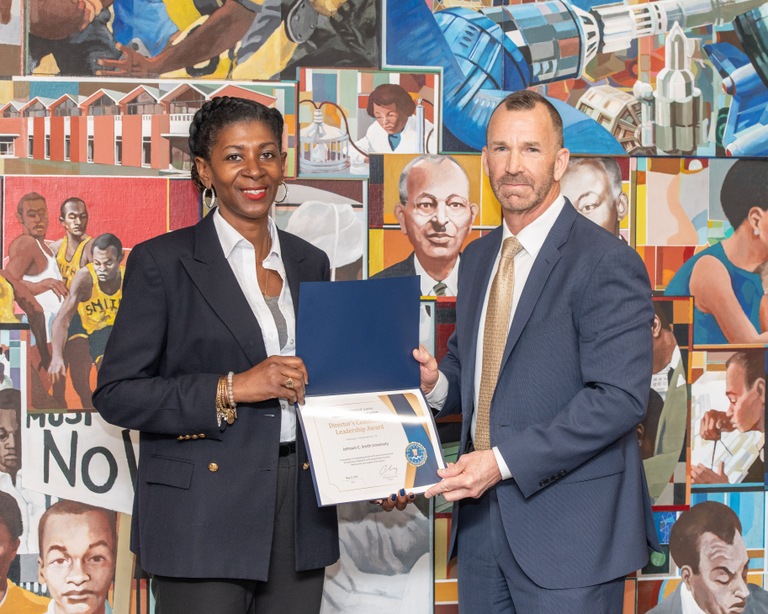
495	338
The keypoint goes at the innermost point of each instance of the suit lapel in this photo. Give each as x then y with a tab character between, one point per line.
542	267
211	273
292	262
480	281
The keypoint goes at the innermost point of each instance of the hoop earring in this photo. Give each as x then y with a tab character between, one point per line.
282	200
209	198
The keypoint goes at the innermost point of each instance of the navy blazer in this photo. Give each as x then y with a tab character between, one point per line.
205	496
573	385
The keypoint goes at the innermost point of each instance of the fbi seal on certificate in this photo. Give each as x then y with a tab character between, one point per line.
415	454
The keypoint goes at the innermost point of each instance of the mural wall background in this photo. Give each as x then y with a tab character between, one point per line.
664	109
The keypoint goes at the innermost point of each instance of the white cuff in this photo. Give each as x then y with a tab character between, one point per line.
436	398
506	474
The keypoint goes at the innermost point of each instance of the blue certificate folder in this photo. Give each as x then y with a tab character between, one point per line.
359	336
367	429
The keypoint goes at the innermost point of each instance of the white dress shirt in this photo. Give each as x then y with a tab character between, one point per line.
241	256
428	284
532	239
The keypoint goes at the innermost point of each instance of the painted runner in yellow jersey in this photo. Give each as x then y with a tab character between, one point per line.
7	316
100	309
68	268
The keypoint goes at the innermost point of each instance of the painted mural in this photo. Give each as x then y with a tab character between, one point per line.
664	109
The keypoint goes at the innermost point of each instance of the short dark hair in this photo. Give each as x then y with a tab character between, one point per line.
664	311
71	199
26	198
705	517
751	362
107	240
526	100
388	93
220	112
10	398
75	508
10	515
745	186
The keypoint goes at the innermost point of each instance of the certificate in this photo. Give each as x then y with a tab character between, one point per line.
369	445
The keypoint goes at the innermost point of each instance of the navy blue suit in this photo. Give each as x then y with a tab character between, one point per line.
573	386
205	496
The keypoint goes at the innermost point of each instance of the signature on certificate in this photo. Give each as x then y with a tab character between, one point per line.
388	471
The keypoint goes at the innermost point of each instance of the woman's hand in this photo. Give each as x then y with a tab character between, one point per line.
277	377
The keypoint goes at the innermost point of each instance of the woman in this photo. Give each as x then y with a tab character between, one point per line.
396	129
201	361
724	278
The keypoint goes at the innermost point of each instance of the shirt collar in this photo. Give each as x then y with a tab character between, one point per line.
532	237
427	283
689	604
230	238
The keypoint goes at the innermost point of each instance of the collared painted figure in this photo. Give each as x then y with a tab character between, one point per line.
706	543
552	511
436	214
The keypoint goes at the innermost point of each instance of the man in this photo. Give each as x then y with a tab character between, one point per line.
706	544
745	389
31	261
552	510
10	431
95	297
14	599
71	250
593	185
30	503
78	543
662	433
435	213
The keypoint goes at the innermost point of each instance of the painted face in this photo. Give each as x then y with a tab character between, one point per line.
34	218
720	587
77	562
438	215
746	404
522	159
590	191
106	263
245	169
75	220
9	441
389	118
8	548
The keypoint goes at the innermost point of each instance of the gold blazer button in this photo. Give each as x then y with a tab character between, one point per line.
305	466
213	467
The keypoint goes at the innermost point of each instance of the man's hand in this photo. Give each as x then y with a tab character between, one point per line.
427	369
131	64
57	369
58	287
470	476
714	424
701	474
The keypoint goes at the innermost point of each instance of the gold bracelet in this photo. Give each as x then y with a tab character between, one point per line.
226	409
